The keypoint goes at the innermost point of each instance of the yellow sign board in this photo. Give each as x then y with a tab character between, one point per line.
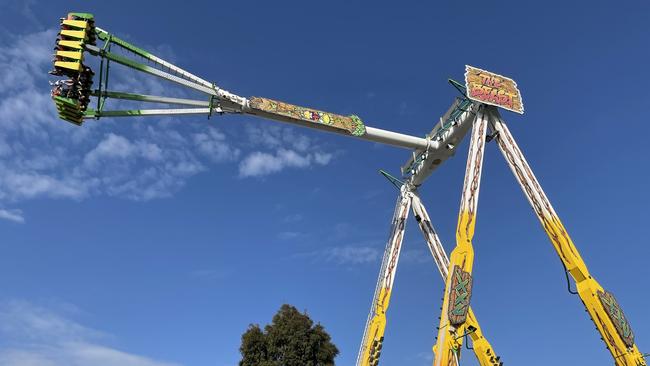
493	89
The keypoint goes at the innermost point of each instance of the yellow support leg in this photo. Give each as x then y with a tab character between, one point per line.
373	336
481	347
455	305
603	309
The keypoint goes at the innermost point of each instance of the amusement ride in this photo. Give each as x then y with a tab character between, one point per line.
475	110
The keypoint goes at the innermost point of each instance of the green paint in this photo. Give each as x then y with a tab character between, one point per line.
460	87
64	100
126	113
460	293
120	95
461	108
127	62
86	16
396	182
615	313
360	128
105	36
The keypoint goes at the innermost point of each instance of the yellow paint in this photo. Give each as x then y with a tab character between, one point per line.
464	236
587	288
62	107
78	34
82	24
75	55
565	248
462	256
482	348
376	329
71	44
69	65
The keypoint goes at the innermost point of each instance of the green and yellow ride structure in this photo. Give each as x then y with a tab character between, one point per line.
475	110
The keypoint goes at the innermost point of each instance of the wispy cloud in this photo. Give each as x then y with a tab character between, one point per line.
38	336
290	235
24	9
12	215
425	356
293	218
283	148
352	255
416	256
213	145
276	136
260	163
363	252
41	156
343	255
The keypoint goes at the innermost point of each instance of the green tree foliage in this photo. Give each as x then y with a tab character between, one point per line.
291	339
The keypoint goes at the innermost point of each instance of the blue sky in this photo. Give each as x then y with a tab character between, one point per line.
149	242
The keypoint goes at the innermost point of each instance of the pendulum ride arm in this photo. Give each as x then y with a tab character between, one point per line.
482	348
430	236
601	305
373	335
80	38
458	286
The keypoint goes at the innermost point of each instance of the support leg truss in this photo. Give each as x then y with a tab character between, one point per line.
78	38
458	286
482	348
373	335
600	304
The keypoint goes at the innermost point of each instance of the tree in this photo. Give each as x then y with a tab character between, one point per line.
291	339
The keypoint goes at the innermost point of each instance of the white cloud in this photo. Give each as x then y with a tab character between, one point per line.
426	356
23	321
352	255
259	164
42	156
288	149
276	136
212	143
111	147
91	354
289	235
12	215
74	354
363	253
293	159
35	336
322	158
293	218
417	256
18	184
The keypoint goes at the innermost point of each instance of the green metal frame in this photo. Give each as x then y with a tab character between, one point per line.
176	75
463	106
394	181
